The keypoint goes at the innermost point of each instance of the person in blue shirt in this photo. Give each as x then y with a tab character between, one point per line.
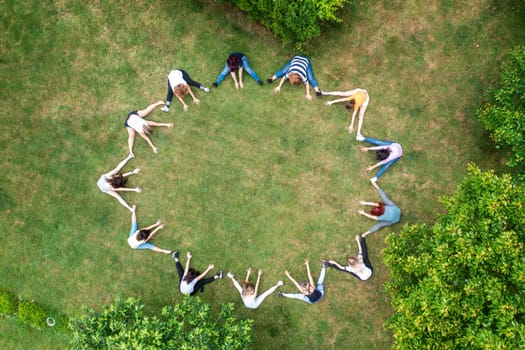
386	213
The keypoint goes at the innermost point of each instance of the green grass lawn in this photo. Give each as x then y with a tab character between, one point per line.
247	178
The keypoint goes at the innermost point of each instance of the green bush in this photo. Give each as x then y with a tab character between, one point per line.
8	302
32	313
292	21
504	116
460	283
189	325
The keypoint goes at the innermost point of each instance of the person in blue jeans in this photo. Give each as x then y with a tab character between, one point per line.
139	238
387	152
309	292
386	213
298	70
237	62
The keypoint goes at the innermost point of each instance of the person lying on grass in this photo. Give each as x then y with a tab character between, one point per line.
386	213
356	100
298	70
113	182
237	62
139	238
387	152
136	123
358	266
191	281
309	292
248	291
179	84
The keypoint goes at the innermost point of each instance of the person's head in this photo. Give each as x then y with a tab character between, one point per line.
306	287
352	260
350	104
378	210
234	63
181	90
117	181
247	289
143	234
191	275
295	79
382	154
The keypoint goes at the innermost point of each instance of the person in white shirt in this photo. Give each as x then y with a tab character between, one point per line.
136	123
179	84
190	280
113	182
358	266
139	238
248	291
387	152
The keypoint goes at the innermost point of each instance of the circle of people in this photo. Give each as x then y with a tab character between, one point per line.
298	70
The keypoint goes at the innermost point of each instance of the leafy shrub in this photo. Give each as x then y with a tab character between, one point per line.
292	21
460	283
504	116
8	302
189	325
32	313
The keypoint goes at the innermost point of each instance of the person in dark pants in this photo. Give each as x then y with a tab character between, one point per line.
358	266
237	62
190	280
179	83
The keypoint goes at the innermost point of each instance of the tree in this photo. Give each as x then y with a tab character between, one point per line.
460	284
293	21
189	325
504	116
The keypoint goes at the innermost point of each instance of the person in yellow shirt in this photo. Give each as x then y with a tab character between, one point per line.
356	99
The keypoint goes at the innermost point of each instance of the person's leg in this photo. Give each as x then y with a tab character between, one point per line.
263	296
364	252
192	82
379	226
131	140
377	142
152	123
311	77
298	296
281	72
143	113
249	70
169	96
199	285
222	75
180	270
384	197
362	111
120	199
384	167
320	281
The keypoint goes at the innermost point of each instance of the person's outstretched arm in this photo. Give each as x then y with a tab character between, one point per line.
310	278
307	87
259	273
234	80
339	100
187	266
293	281
202	275
370	204
373	217
135	171
195	99
120	165
278	88
159	227
126	189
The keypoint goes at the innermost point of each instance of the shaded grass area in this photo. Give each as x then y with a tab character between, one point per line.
247	178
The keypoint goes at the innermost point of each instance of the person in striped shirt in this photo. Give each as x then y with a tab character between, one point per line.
298	70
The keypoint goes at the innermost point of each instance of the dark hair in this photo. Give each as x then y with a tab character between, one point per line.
191	275
378	210
382	154
350	104
117	181
143	234
233	63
